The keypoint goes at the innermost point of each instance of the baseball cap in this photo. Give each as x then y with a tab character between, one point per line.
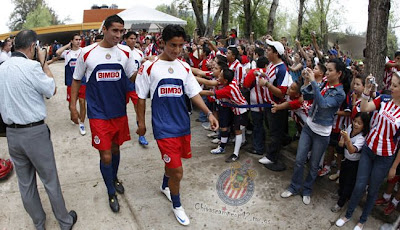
278	46
332	52
148	37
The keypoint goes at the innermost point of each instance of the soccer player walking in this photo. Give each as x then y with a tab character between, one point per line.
168	79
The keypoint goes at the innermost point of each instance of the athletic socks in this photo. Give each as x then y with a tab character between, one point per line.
386	196
176	200
107	173
238	143
395	202
165	181
115	165
224	140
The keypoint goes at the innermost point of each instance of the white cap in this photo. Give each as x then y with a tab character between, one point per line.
278	46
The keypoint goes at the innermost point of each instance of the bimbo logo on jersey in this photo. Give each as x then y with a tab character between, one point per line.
108	75
72	63
170	91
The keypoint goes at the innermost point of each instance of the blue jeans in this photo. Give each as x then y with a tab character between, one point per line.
317	144
372	168
258	131
202	115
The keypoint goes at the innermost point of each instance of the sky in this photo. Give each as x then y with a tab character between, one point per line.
355	12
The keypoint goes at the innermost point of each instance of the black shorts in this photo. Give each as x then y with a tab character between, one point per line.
240	120
212	106
334	139
225	116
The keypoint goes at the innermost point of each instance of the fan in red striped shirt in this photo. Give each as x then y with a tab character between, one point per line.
235	65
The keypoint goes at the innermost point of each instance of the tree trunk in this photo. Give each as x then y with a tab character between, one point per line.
197	6
225	18
210	28
300	19
375	53
271	17
247	18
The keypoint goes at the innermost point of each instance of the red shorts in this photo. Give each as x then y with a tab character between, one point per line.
105	132
81	93
173	149
133	96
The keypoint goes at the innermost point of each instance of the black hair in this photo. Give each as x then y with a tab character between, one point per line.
130	33
397	53
24	39
228	75
99	36
223	65
262	62
221	58
73	36
235	53
362	77
299	84
259	51
234	32
111	19
244	49
365	117
345	77
3	44
322	67
206	51
172	31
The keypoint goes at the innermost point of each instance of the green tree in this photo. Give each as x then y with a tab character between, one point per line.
40	17
24	7
391	36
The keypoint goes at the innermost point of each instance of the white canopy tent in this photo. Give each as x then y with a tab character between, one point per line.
141	17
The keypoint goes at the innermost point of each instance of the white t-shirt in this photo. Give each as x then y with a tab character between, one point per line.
358	142
319	129
4	56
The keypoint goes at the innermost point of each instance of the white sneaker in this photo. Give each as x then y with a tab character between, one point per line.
218	150
340	222
82	129
166	192
265	161
215	141
212	135
286	194
306	200
181	215
206	125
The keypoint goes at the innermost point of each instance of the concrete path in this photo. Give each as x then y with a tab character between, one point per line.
141	171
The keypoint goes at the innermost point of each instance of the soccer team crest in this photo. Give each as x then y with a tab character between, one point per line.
235	186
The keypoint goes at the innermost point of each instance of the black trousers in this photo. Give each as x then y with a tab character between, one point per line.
347	180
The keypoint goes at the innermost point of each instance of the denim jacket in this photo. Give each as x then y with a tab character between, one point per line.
324	107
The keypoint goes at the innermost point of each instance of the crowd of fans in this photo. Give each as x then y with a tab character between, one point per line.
343	118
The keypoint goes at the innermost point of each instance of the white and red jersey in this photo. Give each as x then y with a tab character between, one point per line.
278	76
70	57
356	108
299	110
256	91
342	122
386	123
238	70
167	82
138	56
231	93
387	78
151	50
107	71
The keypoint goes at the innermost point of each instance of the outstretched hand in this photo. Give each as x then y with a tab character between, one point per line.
213	122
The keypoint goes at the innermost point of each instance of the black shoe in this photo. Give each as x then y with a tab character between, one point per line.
232	158
113	201
119	187
74	216
253	151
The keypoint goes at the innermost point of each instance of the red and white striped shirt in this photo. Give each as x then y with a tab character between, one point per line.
256	91
387	78
342	122
239	74
231	94
386	123
278	76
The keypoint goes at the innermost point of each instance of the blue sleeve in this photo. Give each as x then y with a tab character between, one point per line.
307	92
326	102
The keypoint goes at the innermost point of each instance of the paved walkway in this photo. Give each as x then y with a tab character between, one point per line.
141	170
